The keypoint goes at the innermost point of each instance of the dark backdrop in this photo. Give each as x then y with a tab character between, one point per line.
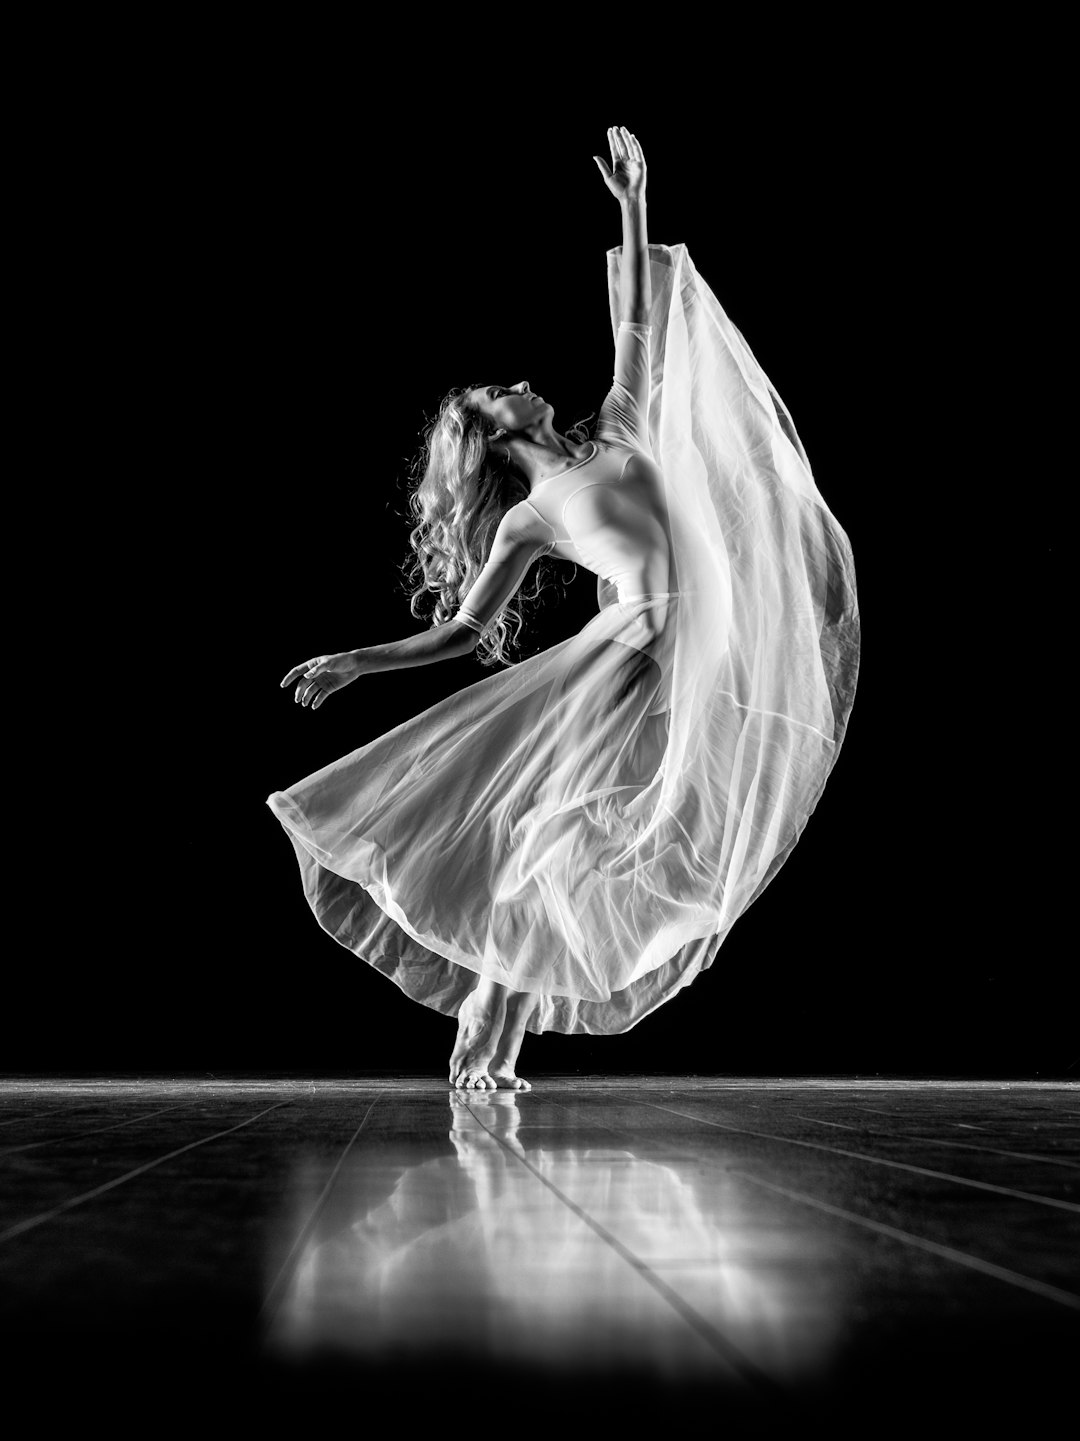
299	268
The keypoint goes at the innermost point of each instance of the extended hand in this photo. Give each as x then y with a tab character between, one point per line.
626	180
324	675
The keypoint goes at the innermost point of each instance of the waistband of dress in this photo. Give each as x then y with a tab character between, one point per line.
648	594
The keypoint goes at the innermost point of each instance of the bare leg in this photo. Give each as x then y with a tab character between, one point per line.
519	1007
480	1024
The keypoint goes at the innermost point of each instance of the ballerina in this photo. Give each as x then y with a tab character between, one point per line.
564	844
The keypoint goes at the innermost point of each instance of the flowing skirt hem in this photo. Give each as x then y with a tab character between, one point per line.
388	942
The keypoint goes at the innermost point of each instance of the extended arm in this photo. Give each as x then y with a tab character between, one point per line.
626	181
513	550
443	642
325	674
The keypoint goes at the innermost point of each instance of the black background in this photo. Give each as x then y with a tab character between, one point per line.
284	260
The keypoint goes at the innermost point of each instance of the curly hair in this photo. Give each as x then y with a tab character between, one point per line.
460	489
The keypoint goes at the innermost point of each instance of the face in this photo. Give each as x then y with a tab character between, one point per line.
511	408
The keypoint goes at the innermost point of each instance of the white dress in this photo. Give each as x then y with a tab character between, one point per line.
588	823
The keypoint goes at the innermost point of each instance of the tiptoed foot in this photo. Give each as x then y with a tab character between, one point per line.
503	1068
480	1023
506	1079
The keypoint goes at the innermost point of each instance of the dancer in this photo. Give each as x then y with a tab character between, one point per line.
564	844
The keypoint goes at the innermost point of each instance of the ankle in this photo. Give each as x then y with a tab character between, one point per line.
476	1015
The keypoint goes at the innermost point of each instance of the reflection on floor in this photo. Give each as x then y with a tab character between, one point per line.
782	1250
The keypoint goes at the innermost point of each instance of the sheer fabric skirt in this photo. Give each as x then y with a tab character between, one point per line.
495	834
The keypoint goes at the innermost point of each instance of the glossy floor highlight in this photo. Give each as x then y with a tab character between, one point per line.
774	1249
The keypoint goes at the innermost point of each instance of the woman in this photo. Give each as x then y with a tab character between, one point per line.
565	844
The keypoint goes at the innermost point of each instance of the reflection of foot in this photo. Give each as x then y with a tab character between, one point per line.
480	1024
484	1123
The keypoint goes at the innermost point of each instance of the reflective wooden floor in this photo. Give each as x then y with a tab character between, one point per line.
870	1254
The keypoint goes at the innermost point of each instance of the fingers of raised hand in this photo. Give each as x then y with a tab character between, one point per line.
631	147
626	153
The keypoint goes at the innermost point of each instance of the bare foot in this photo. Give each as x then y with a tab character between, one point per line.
480	1024
507	1079
519	1006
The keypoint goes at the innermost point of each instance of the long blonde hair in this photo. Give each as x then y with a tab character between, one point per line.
460	488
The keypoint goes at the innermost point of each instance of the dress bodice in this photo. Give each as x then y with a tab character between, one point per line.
607	513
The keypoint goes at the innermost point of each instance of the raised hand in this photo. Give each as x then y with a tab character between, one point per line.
626	178
324	675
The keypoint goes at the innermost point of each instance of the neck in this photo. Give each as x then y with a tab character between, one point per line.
542	452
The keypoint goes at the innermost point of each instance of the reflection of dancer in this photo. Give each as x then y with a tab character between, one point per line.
564	844
518	1250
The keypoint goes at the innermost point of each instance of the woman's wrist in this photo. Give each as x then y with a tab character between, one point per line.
437	643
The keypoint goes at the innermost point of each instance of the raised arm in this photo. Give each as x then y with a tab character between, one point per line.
624	415
626	181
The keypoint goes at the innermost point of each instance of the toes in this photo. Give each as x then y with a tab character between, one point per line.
473	1081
